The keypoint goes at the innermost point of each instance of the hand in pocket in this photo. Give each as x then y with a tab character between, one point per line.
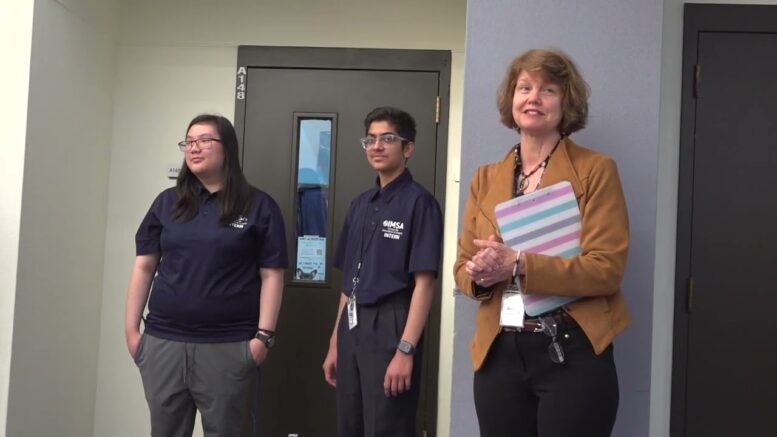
133	343
258	351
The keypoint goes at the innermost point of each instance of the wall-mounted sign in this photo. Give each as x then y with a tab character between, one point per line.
311	258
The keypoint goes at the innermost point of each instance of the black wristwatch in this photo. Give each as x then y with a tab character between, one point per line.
406	347
266	336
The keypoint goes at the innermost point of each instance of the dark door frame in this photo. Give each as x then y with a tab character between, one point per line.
698	18
436	61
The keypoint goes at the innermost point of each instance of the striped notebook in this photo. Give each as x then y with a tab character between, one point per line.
546	221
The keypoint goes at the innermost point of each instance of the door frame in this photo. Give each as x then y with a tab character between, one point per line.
435	61
698	18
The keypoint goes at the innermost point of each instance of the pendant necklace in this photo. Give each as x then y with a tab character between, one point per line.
522	178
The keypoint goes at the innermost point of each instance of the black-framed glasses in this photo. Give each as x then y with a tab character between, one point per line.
371	141
201	143
550	328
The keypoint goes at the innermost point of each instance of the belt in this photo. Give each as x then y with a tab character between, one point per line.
535	325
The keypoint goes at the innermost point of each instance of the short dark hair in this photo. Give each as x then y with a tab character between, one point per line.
235	196
403	122
558	68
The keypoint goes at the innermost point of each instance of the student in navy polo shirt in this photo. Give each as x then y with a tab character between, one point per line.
389	252
214	249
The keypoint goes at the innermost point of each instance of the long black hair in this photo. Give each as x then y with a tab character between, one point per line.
235	196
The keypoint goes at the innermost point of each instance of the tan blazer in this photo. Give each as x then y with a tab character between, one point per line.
595	274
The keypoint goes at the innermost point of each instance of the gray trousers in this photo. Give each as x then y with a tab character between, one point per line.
363	355
220	380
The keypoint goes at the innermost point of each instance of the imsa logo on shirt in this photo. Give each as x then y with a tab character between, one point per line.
240	223
393	230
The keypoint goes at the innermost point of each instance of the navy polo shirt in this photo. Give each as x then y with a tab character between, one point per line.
207	284
394	231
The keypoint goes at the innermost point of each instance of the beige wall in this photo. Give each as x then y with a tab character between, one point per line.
61	239
177	58
15	44
447	310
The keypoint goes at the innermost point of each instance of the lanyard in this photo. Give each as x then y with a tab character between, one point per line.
363	249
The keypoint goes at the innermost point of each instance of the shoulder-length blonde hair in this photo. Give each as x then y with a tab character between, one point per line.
559	69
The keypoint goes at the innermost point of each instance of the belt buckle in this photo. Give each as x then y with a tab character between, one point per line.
534	325
537	328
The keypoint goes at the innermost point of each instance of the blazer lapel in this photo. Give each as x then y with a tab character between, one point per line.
499	190
560	168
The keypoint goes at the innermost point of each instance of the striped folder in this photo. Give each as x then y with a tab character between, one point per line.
546	221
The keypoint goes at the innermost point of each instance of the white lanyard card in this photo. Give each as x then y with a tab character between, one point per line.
512	308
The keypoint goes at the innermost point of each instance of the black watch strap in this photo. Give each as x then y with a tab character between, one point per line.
406	347
266	336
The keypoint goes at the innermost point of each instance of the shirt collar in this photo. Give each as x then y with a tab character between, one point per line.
204	193
392	188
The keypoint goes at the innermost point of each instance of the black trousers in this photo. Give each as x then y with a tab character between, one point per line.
363	355
520	392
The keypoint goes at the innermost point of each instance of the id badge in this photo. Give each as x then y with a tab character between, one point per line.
512	308
352	318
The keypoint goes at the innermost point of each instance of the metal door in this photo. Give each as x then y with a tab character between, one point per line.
724	375
280	106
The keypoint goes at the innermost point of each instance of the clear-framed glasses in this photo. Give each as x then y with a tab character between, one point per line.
550	328
201	143
371	141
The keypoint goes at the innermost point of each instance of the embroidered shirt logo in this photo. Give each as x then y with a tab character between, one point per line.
393	229
240	223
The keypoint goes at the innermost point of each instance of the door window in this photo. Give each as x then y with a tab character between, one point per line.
314	151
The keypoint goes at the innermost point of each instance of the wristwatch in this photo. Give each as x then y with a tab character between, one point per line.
406	347
266	336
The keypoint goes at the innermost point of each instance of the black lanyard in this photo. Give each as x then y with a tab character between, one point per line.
363	248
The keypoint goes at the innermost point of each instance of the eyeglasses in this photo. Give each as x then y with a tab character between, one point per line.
550	329
202	144
371	141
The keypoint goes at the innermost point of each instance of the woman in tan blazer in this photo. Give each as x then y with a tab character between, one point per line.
553	374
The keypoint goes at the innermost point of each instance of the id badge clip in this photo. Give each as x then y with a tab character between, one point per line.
353	319
512	307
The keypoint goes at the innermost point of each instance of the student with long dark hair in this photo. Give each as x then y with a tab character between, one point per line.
211	252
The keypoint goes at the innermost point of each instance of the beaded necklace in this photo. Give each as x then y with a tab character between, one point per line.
521	182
